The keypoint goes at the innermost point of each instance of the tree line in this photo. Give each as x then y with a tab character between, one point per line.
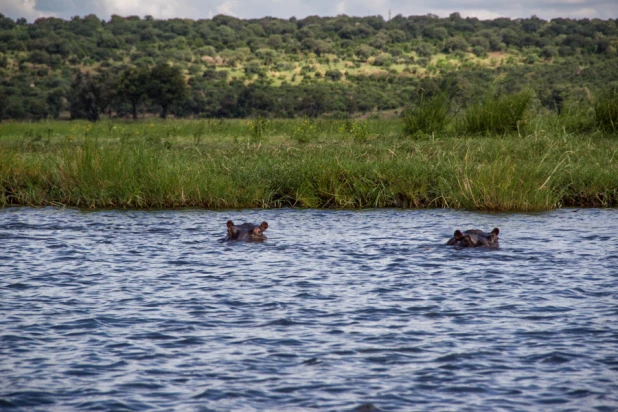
222	67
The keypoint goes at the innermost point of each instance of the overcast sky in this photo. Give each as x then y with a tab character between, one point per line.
196	9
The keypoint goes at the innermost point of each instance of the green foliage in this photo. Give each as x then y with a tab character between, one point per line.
479	41
305	131
55	101
431	115
576	117
268	56
166	87
90	96
383	59
257	128
306	69
275	41
606	110
548	52
161	164
436	32
479	51
214	74
363	52
454	44
132	86
424	50
253	68
497	113
3	103
359	130
334	75
564	54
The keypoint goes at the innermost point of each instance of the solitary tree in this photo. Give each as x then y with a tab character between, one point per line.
3	103
363	52
55	101
90	95
166	86
132	85
455	43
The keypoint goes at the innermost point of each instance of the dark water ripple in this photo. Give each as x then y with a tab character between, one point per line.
338	310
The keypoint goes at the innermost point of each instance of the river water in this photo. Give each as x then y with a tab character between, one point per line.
337	310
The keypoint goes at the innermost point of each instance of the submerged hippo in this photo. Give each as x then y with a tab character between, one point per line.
474	238
247	232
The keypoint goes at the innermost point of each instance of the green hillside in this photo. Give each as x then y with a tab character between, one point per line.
318	66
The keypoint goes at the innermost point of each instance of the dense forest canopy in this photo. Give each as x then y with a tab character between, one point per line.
335	66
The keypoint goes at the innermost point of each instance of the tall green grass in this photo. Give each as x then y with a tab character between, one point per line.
220	165
497	113
430	116
576	117
606	111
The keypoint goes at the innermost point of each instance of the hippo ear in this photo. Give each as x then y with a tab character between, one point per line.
232	232
264	226
496	231
458	235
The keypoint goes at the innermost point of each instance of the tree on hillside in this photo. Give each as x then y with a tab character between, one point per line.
424	50
455	43
3	97
275	41
166	87
363	52
55	101
90	95
132	85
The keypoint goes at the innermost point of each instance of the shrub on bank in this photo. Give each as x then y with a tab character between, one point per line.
431	115
606	111
497	113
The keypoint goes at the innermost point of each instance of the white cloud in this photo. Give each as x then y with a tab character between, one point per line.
22	8
228	7
340	8
481	14
197	9
581	13
158	8
567	2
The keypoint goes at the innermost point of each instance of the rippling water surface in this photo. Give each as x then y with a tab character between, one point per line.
337	310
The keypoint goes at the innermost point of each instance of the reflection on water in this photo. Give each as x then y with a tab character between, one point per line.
148	310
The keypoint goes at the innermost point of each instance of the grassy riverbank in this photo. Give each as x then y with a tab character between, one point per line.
302	163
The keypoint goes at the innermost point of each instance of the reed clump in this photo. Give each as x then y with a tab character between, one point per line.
576	117
606	111
430	116
496	113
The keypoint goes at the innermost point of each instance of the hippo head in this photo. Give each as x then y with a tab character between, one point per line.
464	240
475	238
247	232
